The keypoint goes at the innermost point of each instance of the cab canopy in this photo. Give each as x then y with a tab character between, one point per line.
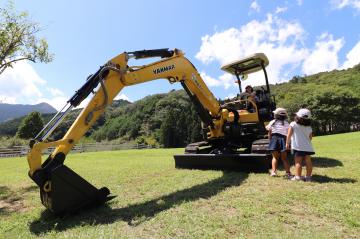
247	65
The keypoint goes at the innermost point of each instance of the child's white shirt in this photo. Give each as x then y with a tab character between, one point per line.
277	127
300	139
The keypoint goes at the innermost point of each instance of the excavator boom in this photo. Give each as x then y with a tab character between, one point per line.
61	189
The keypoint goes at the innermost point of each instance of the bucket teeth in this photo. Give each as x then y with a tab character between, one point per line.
70	192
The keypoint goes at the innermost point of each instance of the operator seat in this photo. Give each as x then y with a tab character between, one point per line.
264	104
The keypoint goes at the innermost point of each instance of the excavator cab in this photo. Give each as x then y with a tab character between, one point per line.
261	106
244	144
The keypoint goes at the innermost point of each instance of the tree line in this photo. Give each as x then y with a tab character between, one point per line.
170	120
333	98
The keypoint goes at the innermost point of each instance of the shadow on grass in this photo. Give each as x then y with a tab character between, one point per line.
137	213
319	162
326	179
322	162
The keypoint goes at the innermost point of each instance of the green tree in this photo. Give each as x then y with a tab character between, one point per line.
170	136
30	126
335	110
18	39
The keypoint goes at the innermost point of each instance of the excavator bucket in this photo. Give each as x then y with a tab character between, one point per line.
231	162
70	193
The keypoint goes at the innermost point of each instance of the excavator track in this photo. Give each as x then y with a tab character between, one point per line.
196	157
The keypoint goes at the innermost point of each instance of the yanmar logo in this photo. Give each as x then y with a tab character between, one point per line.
163	69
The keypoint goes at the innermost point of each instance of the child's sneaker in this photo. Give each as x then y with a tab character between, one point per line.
307	179
273	174
296	178
289	175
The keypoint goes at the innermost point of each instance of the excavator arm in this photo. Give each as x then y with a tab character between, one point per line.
61	189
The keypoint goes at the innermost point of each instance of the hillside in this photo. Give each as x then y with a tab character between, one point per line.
169	119
333	98
9	128
12	111
334	81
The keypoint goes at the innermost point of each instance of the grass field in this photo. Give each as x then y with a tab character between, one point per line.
155	200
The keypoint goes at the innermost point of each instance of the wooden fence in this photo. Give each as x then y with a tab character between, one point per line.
19	151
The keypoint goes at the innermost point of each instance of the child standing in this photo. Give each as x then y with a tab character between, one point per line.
300	133
278	129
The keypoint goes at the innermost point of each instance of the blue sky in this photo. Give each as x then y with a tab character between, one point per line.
299	37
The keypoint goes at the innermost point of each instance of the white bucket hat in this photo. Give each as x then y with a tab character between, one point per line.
304	113
280	111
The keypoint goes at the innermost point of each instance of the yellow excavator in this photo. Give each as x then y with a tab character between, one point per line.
234	132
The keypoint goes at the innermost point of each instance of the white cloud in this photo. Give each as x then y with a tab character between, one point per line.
324	56
280	10
255	6
340	4
58	102
20	83
280	40
87	100
209	81
353	57
227	80
230	96
299	2
122	97
283	43
55	92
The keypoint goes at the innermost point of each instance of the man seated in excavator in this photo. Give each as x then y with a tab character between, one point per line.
227	129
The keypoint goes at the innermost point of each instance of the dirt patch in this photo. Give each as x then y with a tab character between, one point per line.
10	205
14	200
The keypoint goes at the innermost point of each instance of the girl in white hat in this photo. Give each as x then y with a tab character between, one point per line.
278	129
300	134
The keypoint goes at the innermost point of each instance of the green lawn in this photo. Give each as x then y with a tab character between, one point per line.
155	200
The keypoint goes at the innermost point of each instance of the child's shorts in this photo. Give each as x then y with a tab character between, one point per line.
299	153
277	143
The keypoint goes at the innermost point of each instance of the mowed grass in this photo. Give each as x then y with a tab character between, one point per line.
155	200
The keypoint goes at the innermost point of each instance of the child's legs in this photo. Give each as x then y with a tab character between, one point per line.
283	156
275	156
309	166
298	168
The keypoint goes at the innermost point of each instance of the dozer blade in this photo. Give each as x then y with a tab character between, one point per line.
231	162
70	193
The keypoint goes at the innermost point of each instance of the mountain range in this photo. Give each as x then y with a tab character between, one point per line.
12	111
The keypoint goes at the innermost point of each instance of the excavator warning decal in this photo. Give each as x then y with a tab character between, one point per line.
163	69
195	80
